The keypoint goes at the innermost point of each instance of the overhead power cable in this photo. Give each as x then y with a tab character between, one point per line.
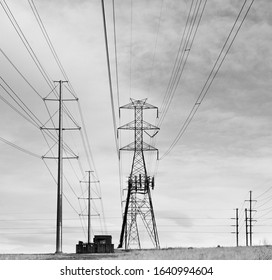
71	89
49	42
269	199
28	47
131	48
25	42
192	24
20	73
83	135
41	69
16	110
191	27
220	59
109	77
19	148
266	191
34	121
115	52
28	113
15	97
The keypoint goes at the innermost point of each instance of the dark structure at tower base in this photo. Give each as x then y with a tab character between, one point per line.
101	244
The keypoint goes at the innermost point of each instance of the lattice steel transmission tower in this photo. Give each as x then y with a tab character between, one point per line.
138	201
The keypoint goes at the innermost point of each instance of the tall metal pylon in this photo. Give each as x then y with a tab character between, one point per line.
60	159
138	201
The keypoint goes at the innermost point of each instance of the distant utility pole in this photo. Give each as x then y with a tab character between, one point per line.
89	198
236	226
60	162
246	227
250	217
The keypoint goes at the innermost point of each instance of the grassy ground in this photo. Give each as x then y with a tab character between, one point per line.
221	253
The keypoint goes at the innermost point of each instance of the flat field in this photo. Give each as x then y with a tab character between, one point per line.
218	253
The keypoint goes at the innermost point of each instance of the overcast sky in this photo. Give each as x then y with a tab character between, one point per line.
224	153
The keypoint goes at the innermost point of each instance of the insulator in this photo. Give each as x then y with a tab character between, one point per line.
129	183
140	180
146	183
135	182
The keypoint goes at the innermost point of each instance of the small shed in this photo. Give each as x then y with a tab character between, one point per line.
101	244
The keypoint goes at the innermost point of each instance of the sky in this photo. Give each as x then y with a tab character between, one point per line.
224	153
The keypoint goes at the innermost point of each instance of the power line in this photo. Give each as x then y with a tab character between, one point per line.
175	67
28	47
49	42
71	90
118	96
266	191
131	42
269	199
34	58
20	73
31	117
20	103
16	110
19	148
25	42
49	133
109	77
182	55
115	52
210	79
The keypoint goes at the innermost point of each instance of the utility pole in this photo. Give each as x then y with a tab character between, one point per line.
250	216
59	158
60	175
138	201
89	198
89	206
237	227
246	227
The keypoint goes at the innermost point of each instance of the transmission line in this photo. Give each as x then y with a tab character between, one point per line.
35	122
56	57
71	90
210	79
27	45
115	52
266	191
182	55
49	42
109	77
19	148
48	80
20	73
25	42
131	42
19	102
